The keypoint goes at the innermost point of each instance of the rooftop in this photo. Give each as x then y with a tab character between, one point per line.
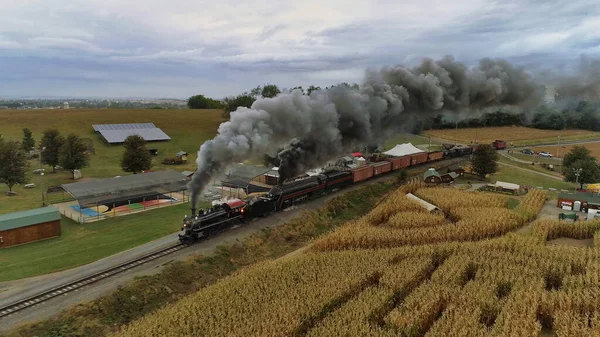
240	175
126	187
580	196
28	218
431	172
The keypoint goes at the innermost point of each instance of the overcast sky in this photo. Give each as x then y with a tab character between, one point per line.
177	48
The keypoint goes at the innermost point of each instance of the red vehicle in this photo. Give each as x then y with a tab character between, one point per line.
499	144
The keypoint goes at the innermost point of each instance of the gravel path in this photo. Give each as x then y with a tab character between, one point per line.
14	290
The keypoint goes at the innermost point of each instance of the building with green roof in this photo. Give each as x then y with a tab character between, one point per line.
29	226
432	176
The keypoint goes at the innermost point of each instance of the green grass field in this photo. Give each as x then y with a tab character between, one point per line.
537	167
82	244
513	175
188	129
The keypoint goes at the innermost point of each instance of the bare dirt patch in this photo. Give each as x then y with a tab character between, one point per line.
583	243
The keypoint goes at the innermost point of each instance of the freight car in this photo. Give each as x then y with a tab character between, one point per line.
287	194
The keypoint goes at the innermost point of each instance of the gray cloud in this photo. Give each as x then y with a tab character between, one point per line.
309	42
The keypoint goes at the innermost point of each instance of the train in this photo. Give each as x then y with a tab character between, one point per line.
206	222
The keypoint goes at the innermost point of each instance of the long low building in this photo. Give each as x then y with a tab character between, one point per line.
29	226
578	201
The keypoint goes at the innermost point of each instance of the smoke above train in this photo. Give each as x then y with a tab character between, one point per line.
313	129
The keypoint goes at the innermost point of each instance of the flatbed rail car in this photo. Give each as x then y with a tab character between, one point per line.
280	197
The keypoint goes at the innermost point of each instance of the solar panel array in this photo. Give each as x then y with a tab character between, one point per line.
117	133
98	127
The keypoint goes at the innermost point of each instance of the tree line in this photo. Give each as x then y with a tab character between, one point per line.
582	114
247	98
575	114
70	153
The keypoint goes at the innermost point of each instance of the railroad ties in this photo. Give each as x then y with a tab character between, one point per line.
71	286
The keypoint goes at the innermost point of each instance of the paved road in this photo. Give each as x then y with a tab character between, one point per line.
13	290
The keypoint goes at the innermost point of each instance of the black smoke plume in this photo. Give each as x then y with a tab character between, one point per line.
328	123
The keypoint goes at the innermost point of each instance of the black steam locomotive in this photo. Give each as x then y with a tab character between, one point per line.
234	212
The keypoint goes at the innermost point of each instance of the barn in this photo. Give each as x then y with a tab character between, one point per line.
432	176
29	226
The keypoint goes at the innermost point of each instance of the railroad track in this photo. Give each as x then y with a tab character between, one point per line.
80	283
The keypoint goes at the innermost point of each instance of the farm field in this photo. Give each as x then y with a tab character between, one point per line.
593	147
188	129
400	270
82	244
518	135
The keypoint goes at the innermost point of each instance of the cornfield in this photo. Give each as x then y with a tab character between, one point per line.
413	273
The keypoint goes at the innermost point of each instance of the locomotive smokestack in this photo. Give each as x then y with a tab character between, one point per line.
193	211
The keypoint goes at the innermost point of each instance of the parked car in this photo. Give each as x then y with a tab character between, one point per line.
545	154
527	151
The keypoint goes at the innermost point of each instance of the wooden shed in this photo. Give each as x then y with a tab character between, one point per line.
182	155
456	169
29	226
449	177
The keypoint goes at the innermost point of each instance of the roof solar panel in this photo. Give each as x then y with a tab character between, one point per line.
130	126
118	136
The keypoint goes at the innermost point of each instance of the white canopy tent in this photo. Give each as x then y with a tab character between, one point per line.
403	150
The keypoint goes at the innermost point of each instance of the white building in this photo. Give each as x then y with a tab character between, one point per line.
66	105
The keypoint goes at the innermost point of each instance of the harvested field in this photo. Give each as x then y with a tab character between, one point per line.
519	135
560	151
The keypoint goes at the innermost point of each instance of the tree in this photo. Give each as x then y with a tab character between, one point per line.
583	171
73	155
577	153
255	92
311	89
202	102
28	141
50	145
270	90
299	87
13	164
484	160
232	103
136	157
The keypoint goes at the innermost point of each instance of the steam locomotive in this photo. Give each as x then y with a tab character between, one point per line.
236	212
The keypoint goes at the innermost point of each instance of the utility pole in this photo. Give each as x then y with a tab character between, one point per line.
577	173
429	145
